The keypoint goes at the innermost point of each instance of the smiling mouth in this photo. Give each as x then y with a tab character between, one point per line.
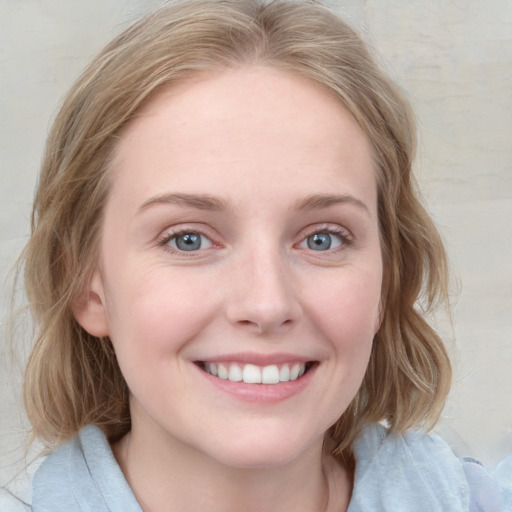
254	374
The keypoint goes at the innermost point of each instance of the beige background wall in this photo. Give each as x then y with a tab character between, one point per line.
455	60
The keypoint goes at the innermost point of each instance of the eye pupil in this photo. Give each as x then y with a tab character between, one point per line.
188	242
320	242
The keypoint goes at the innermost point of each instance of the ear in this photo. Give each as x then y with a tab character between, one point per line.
89	309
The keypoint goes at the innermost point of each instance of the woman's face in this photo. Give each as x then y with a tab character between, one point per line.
240	244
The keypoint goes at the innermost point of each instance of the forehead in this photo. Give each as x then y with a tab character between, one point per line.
247	124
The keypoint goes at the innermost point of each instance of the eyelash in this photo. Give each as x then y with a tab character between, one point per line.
346	238
170	235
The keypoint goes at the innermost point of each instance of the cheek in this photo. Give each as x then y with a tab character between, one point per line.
151	323
348	306
156	313
345	314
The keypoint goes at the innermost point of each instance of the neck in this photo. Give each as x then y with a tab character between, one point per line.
166	475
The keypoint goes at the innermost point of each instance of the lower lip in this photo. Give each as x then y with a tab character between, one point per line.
265	393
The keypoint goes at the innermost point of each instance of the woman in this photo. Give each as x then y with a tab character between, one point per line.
226	254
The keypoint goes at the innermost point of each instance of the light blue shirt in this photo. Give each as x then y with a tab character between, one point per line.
414	473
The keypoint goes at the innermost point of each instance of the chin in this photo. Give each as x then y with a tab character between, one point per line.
264	453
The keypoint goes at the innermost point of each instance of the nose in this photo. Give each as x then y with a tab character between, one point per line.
263	294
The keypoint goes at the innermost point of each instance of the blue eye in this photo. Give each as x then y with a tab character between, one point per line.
319	241
189	241
322	241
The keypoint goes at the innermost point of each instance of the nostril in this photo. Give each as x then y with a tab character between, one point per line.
263	326
251	325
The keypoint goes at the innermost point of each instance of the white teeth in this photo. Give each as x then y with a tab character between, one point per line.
235	373
253	374
284	373
294	372
222	372
270	375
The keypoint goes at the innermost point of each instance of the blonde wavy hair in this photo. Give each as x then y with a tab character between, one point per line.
73	378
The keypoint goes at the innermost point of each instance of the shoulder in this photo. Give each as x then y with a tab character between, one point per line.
398	472
82	475
490	487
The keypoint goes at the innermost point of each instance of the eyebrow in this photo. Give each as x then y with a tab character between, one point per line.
320	201
198	201
212	203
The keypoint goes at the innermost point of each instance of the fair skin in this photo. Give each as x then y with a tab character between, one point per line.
240	241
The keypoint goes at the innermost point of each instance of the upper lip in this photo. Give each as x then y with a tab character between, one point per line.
257	359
